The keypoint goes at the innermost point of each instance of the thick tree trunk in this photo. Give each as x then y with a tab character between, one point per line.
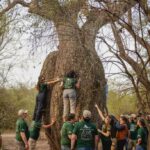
75	53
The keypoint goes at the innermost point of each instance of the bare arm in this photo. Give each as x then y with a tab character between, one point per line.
49	125
107	134
100	112
70	136
23	136
78	84
53	81
61	84
96	142
73	141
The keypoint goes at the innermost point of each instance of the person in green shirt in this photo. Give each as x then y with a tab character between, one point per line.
66	132
42	87
132	131
35	132
85	134
70	84
142	135
22	132
106	130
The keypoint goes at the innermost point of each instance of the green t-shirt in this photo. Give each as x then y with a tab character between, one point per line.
69	83
66	130
85	132
35	130
106	129
133	130
21	126
42	87
142	133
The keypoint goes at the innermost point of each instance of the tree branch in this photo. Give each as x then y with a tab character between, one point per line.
47	9
13	4
141	72
139	39
100	17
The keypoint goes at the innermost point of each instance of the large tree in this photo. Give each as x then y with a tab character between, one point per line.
76	49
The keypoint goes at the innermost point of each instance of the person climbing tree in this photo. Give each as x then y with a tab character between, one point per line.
70	84
35	132
42	87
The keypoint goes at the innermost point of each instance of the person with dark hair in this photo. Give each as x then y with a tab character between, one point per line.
42	87
85	134
106	130
142	135
122	133
66	132
70	84
133	131
113	132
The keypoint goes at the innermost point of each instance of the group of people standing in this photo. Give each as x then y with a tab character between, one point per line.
81	135
122	134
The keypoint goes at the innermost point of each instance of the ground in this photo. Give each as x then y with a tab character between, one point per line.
9	142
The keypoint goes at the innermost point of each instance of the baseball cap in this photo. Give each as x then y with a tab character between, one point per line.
22	111
87	114
133	115
25	111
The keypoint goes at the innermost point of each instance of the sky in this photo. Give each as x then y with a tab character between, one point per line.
32	40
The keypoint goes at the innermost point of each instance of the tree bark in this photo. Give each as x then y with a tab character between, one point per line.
74	54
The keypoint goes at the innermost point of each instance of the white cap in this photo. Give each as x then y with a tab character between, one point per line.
133	115
87	114
25	111
22	111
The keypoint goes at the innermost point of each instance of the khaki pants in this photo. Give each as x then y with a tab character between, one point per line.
114	144
69	100
20	145
32	144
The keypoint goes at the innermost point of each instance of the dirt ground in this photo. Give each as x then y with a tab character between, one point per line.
9	142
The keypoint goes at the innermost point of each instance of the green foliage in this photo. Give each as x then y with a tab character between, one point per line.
3	25
121	104
11	100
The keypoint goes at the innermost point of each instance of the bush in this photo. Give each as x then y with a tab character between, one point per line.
121	104
11	100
